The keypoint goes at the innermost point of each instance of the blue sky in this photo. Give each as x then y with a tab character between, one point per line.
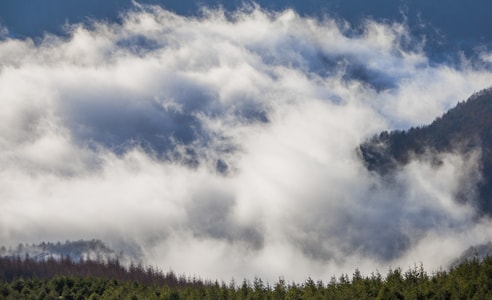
457	20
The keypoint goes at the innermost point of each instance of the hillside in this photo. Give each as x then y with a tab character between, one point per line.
464	128
94	250
51	279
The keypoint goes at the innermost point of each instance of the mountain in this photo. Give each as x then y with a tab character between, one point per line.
94	250
479	252
463	129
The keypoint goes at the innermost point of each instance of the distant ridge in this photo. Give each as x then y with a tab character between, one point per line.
465	128
479	252
94	250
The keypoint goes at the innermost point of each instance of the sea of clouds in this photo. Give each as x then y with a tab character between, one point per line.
225	145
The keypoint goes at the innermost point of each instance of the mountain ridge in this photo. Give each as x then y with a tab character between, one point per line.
80	250
463	129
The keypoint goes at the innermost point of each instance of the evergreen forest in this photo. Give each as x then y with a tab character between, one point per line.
28	278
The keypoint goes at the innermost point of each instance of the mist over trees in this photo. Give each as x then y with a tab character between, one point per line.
198	137
27	278
75	250
465	129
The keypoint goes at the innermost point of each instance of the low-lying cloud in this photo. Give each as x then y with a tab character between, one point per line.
225	145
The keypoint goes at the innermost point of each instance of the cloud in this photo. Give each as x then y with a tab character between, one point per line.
224	145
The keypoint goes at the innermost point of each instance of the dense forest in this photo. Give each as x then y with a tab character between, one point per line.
463	129
26	278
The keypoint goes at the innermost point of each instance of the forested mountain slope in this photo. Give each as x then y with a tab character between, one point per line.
463	129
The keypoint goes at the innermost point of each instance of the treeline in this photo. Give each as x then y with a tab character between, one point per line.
12	268
64	279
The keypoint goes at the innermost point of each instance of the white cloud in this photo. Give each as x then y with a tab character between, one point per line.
118	131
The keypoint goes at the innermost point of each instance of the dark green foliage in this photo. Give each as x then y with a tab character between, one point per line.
463	129
471	279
